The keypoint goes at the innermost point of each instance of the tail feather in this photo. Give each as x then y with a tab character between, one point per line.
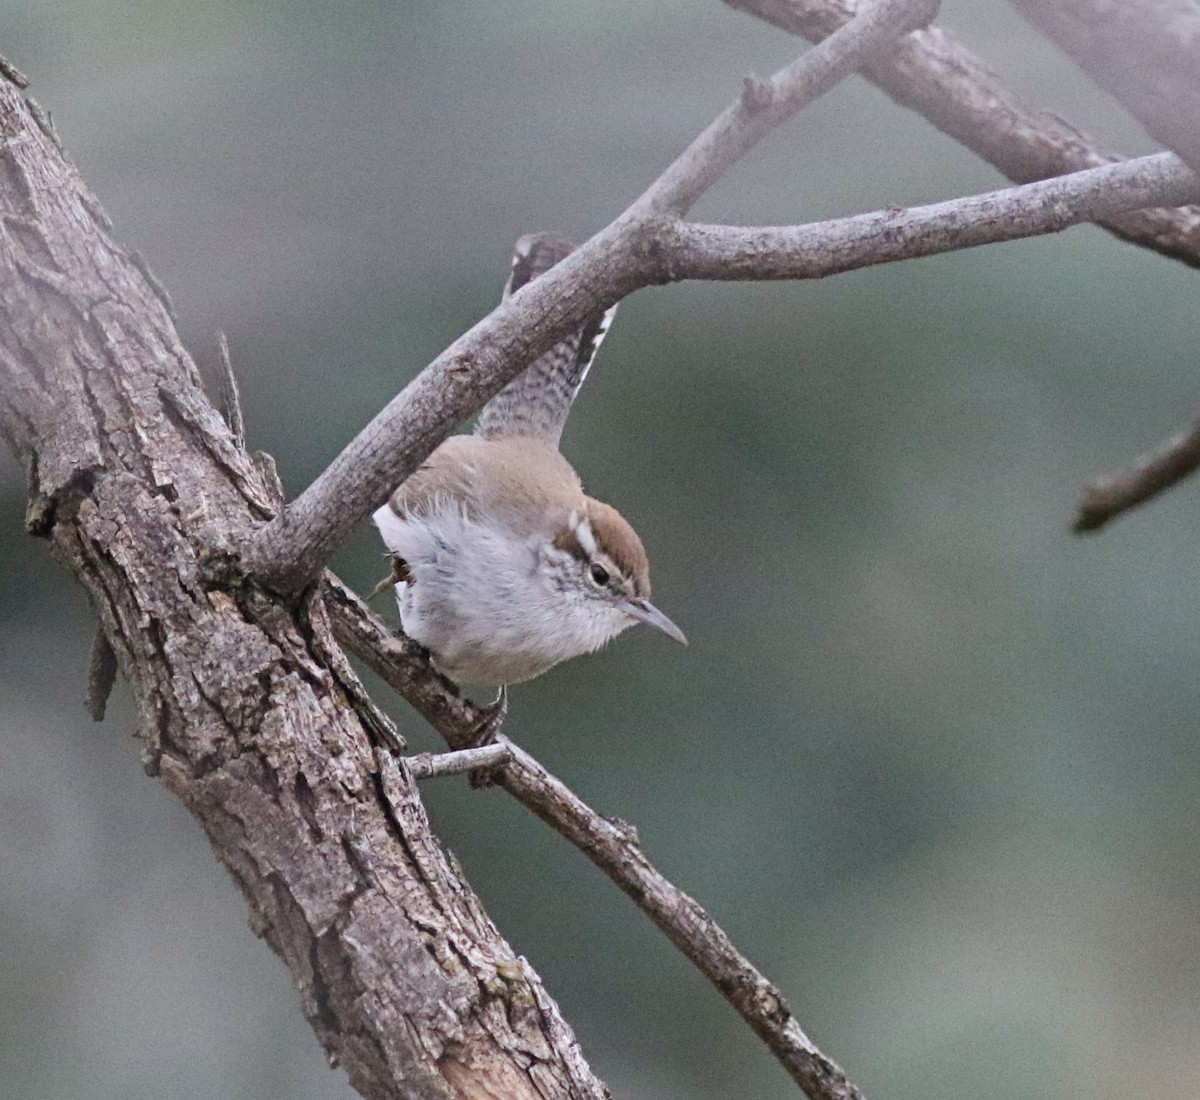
538	401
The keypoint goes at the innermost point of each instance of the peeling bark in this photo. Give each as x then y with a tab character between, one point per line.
249	711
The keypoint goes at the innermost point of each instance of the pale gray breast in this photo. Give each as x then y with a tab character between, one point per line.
538	401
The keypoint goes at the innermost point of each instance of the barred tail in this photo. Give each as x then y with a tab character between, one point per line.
538	401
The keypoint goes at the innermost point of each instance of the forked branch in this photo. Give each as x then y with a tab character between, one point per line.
933	73
766	104
637	252
290	551
611	845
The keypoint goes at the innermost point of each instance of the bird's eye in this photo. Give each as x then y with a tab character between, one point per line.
598	574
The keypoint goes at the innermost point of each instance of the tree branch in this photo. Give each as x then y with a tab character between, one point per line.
765	104
1106	496
290	551
692	251
635	252
612	846
434	765
249	711
934	74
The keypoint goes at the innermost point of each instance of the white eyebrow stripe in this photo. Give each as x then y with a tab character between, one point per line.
586	537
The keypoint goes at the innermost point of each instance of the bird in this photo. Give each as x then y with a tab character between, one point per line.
502	565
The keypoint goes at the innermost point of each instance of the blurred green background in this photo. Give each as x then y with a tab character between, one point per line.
931	761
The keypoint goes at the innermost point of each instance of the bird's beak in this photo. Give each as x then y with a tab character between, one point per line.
645	612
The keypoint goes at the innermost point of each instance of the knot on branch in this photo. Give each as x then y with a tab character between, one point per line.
758	93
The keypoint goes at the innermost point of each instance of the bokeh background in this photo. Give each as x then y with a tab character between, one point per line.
932	761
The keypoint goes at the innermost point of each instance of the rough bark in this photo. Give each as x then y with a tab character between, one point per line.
249	712
612	845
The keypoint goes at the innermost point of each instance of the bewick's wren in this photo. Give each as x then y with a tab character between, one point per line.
503	566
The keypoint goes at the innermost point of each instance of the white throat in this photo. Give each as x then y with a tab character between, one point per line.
490	607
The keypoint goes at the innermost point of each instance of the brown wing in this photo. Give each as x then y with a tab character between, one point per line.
448	472
514	480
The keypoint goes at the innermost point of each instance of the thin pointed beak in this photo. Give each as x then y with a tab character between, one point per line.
645	612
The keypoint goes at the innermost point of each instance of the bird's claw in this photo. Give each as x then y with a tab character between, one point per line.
490	722
399	575
486	730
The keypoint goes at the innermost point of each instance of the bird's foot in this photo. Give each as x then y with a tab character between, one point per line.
490	722
485	732
399	575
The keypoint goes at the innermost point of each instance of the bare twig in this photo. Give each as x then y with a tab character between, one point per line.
291	550
764	104
1108	495
610	845
434	765
692	251
12	74
933	73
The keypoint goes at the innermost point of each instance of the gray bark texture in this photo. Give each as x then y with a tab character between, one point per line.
221	622
249	711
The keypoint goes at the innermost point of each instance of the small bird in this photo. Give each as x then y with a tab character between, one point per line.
502	565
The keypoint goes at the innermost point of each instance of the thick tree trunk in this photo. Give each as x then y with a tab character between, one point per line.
249	712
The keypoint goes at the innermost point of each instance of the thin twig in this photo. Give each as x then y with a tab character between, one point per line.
290	551
229	398
434	765
934	74
631	254
691	251
765	104
1106	496
11	73
611	845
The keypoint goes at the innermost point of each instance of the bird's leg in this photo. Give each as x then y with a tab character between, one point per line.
491	720
485	732
399	575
